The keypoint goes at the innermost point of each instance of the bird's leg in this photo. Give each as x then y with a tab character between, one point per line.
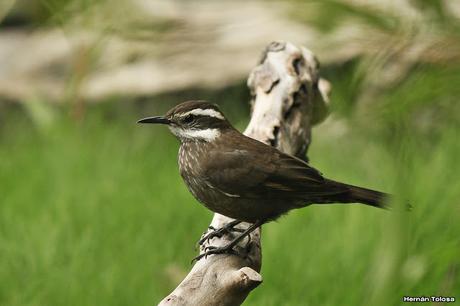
227	228
229	247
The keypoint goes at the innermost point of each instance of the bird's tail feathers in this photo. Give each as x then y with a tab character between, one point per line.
355	194
368	196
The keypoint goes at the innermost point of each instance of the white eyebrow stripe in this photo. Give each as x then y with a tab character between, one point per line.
204	112
206	135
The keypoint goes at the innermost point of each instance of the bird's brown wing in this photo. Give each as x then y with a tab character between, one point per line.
295	179
236	171
262	171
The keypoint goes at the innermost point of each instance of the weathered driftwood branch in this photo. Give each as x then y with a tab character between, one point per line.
287	99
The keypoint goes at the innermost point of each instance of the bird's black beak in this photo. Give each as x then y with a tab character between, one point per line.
157	120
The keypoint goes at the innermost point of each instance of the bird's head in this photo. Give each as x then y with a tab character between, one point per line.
193	121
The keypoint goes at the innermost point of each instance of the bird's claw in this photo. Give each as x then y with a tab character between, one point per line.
219	232
228	248
212	250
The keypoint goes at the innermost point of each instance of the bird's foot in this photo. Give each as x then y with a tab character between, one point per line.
228	248
219	232
212	250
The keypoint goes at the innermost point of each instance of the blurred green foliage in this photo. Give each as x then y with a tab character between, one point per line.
329	14
93	210
89	215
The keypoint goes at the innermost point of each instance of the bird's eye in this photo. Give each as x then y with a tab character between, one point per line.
187	119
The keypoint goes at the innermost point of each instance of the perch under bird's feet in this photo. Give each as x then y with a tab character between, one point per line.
219	232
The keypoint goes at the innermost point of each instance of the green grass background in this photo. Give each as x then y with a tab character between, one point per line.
94	212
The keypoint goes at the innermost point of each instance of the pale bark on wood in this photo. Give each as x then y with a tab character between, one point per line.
288	97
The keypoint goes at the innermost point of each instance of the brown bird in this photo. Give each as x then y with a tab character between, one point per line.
242	178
